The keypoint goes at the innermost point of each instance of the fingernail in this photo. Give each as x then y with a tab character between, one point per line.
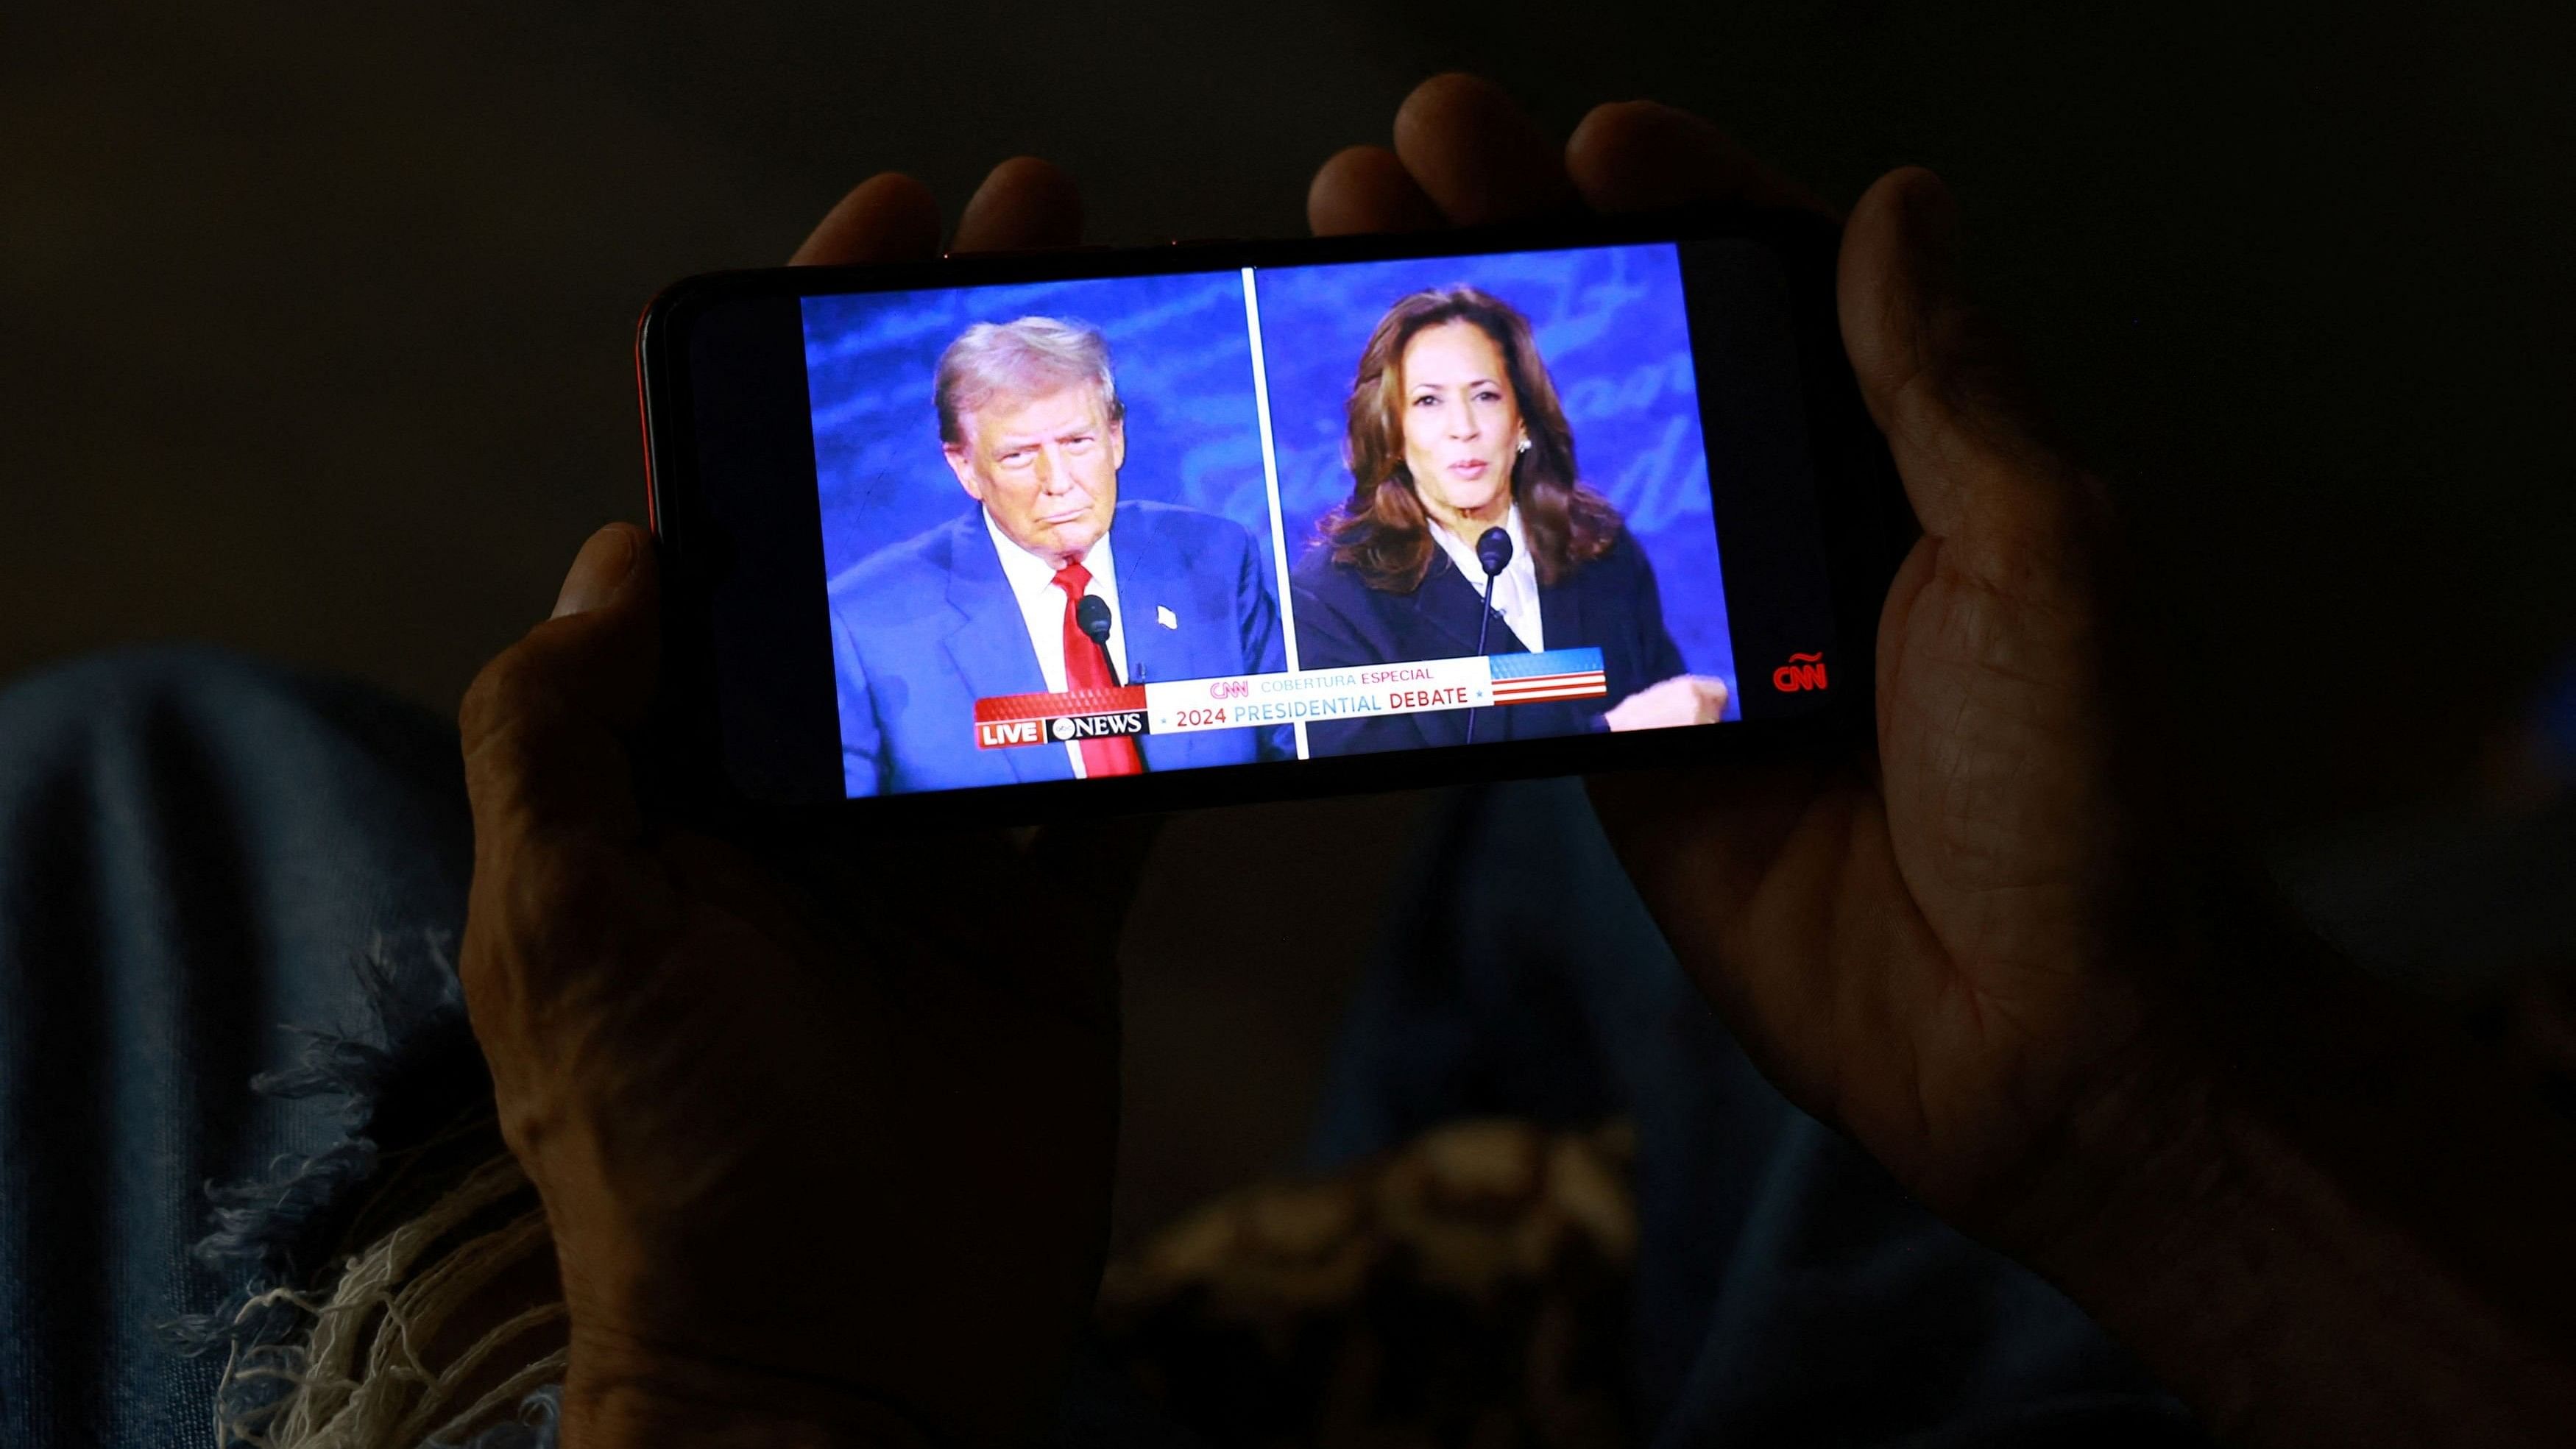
599	572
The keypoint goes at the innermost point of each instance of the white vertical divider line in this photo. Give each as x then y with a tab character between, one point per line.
1270	479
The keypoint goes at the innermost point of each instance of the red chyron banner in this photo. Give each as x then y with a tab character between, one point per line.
1005	720
1253	701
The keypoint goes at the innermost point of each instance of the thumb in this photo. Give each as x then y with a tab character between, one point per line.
1938	379
545	724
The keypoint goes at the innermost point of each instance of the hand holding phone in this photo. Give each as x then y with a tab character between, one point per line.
824	1141
539	966
1932	939
1995	951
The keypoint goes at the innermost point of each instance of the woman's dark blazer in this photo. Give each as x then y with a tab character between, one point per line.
1610	604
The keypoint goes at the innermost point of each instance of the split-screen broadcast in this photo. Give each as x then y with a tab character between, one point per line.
1090	528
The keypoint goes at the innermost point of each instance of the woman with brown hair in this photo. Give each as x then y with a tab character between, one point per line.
1455	431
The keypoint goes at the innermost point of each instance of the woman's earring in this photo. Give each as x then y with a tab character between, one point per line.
1524	442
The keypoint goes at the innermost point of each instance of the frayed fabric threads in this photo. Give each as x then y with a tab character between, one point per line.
351	1261
360	1380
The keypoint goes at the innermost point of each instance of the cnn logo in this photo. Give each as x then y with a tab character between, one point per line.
1803	671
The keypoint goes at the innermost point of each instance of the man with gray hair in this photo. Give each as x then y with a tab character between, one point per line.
991	603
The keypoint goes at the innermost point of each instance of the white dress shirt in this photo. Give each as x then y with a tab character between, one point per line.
1042	604
1515	588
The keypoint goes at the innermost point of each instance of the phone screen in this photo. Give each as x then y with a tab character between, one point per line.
1085	528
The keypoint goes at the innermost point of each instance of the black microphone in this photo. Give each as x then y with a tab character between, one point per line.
1091	616
1494	551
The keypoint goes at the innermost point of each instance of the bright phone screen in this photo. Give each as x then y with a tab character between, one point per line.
1157	523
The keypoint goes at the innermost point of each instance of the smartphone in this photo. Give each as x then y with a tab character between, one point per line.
1020	536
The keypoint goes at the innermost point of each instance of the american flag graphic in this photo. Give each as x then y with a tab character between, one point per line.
1554	674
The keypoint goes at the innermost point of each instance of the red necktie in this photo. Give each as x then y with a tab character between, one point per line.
1086	666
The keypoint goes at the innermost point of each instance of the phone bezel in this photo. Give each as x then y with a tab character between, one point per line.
1864	523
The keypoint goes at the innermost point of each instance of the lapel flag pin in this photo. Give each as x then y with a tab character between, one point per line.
1164	616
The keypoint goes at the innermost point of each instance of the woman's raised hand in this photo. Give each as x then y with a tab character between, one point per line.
1684	699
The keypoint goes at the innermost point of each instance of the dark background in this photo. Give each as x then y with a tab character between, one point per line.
315	323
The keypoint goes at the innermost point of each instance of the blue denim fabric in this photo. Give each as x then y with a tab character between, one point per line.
196	851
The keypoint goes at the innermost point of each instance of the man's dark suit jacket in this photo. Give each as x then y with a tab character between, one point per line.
1610	604
923	629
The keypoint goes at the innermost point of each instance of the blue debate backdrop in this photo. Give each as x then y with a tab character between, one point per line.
1611	326
1178	345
